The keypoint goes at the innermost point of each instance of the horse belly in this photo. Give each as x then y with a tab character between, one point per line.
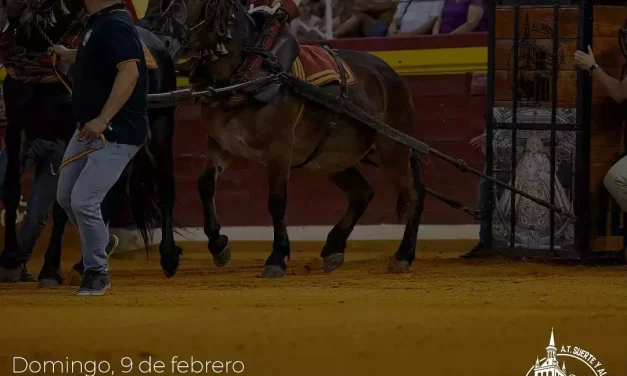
237	141
345	147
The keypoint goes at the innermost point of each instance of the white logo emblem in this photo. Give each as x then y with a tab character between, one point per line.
588	364
86	39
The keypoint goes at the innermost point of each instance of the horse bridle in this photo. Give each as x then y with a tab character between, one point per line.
223	32
32	13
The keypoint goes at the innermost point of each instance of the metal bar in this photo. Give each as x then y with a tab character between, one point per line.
174	97
328	18
487	211
584	116
535	2
554	77
536	126
512	235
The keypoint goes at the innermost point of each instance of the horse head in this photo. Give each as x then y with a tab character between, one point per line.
217	32
166	19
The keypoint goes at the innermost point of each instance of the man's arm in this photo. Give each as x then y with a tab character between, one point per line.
124	51
475	12
123	87
436	26
615	88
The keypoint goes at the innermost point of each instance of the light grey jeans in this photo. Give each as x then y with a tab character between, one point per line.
83	185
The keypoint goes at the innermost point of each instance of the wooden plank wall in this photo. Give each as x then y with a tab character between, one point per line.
539	19
607	131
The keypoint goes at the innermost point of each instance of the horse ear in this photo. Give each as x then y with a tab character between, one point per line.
178	11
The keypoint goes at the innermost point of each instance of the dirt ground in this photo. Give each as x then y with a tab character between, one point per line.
445	317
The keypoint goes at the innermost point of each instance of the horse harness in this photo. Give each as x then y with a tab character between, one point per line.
264	55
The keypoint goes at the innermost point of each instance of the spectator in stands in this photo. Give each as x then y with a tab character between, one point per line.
415	17
307	25
339	12
461	16
368	18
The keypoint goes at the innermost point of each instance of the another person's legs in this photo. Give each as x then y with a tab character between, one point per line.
47	156
480	250
21	274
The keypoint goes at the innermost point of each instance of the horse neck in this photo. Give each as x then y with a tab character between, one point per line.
228	65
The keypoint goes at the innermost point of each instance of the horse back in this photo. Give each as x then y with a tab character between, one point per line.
162	79
379	90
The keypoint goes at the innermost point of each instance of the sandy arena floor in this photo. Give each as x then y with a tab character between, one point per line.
445	317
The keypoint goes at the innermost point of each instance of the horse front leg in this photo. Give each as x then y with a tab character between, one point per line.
162	128
278	177
218	244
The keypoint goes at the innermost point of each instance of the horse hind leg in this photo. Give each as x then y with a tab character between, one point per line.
410	206
278	178
218	244
359	194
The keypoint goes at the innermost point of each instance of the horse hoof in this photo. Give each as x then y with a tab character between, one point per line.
222	258
398	266
272	271
48	283
332	262
170	268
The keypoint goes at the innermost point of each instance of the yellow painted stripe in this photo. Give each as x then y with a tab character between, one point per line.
418	62
425	62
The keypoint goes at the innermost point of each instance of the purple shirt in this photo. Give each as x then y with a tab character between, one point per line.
455	13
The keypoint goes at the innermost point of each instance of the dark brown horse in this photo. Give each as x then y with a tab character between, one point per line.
273	130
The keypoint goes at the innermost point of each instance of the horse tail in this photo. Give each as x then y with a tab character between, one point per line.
143	195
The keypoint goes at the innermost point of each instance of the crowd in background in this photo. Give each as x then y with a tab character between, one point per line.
380	18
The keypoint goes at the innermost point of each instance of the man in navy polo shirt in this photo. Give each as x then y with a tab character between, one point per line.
110	99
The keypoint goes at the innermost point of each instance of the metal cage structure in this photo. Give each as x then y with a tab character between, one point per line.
537	136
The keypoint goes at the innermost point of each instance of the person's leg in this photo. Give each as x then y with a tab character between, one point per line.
47	156
102	170
20	274
484	203
616	182
69	174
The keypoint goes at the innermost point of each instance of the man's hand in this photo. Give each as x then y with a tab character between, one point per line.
66	55
479	142
92	130
583	60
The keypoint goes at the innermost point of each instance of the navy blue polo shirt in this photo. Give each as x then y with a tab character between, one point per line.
109	40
